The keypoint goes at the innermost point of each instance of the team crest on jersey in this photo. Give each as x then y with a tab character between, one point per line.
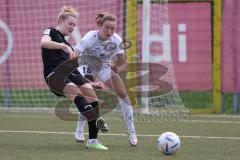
110	46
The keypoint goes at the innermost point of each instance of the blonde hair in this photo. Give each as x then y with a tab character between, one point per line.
67	11
102	17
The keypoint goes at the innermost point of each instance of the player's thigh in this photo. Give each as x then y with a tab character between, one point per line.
86	89
105	74
71	91
88	92
116	84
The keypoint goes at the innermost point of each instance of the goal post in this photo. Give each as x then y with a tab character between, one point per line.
217	30
217	106
131	36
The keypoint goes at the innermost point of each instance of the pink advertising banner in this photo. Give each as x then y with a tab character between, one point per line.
189	28
230	46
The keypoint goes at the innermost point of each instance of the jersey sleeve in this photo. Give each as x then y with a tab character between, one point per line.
49	32
83	43
118	39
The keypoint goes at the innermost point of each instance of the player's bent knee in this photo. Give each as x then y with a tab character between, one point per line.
87	85
71	91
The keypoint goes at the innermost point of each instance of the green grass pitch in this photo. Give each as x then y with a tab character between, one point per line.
37	136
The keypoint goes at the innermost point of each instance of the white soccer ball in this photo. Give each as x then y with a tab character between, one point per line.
168	143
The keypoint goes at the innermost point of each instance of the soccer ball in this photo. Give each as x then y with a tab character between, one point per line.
168	143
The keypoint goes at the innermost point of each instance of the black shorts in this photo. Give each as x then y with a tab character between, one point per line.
77	79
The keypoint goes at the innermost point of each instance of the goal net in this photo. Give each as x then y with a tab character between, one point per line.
144	26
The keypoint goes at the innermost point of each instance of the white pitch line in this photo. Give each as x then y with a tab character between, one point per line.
113	134
36	132
191	121
204	137
186	121
218	116
74	110
213	121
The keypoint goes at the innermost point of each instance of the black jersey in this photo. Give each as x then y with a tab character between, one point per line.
54	57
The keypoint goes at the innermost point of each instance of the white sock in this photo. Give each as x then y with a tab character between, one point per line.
127	111
92	141
80	124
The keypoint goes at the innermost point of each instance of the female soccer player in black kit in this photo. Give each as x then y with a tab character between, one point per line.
56	52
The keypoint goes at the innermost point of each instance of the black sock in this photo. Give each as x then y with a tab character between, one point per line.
93	131
85	108
92	128
80	102
89	113
95	107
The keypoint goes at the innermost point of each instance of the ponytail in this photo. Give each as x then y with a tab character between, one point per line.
102	17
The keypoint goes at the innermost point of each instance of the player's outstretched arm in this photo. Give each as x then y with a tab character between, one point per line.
46	42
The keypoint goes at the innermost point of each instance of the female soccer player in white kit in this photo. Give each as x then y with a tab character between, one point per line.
105	44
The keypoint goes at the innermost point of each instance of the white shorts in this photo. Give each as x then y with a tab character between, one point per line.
103	75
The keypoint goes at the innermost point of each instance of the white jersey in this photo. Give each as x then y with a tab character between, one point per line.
102	51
